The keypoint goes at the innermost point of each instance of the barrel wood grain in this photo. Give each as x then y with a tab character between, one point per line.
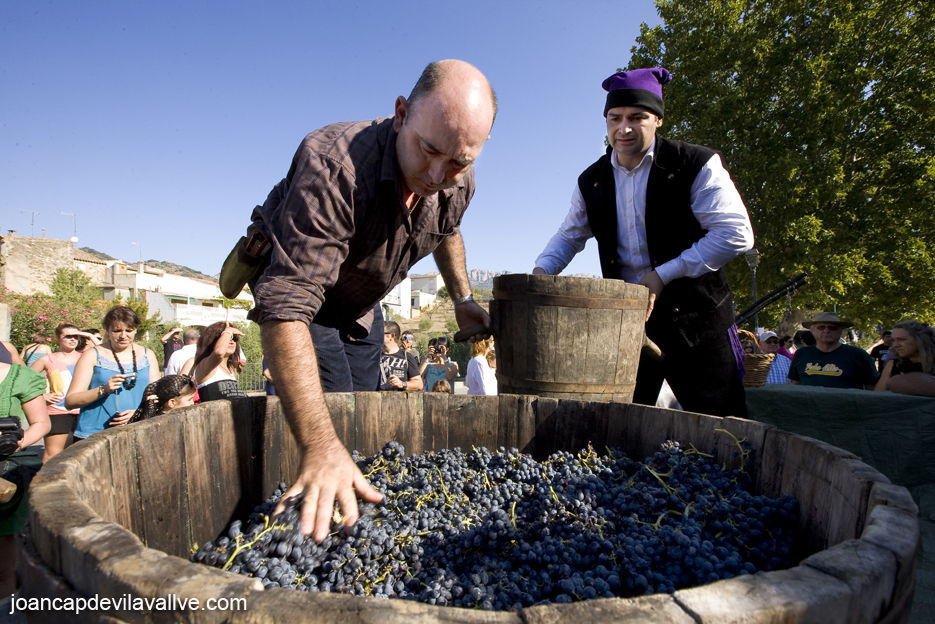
435	421
472	421
94	457
516	422
342	406
810	470
162	485
270	430
202	469
869	579
370	430
870	572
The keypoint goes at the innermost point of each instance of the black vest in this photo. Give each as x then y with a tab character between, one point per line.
689	311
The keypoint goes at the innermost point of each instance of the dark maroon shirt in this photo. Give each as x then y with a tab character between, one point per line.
342	236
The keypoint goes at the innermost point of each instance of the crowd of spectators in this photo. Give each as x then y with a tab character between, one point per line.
903	362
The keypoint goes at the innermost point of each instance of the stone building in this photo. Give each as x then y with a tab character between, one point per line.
29	264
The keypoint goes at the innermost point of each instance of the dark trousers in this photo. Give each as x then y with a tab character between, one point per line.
703	378
346	365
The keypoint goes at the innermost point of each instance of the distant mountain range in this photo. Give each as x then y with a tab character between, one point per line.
481	278
168	267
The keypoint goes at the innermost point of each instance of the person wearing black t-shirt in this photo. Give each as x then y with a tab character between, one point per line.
170	344
881	352
399	369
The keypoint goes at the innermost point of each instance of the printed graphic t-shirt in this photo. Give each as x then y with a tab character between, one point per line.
401	364
845	367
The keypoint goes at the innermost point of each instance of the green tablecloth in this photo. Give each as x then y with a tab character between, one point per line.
893	433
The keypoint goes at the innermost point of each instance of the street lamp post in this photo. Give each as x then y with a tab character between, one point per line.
753	259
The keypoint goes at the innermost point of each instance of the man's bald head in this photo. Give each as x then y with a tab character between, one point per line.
443	126
457	76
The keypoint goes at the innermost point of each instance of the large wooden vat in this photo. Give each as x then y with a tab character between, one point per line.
117	515
568	337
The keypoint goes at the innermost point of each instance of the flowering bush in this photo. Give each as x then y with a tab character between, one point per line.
36	316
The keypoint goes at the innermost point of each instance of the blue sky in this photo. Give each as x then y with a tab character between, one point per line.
164	123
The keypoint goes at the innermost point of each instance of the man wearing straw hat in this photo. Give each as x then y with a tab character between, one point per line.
829	363
666	215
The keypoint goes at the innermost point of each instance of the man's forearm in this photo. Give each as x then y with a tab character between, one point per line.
449	258
290	355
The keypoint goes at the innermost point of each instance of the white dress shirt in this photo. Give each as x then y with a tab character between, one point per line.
715	202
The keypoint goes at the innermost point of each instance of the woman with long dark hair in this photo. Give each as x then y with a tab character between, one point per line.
110	378
216	362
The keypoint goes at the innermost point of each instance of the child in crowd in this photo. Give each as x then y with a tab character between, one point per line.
442	385
165	395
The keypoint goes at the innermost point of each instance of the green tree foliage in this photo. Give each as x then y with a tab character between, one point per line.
139	305
824	111
442	294
425	323
250	343
36	316
451	325
74	285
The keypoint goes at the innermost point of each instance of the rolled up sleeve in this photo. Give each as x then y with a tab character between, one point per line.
310	231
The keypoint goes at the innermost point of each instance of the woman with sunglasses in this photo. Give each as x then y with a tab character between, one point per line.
110	378
216	361
59	369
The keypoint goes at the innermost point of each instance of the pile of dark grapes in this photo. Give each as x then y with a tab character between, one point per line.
501	531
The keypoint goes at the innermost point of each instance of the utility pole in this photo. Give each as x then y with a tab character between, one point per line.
141	251
32	228
74	238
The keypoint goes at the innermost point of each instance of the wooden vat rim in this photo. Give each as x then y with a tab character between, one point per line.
61	548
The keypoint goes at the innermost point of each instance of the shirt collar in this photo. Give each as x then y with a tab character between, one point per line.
647	159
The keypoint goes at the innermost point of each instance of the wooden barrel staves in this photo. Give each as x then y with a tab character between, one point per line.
117	515
568	337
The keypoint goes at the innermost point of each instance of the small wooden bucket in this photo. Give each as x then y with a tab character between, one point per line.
568	337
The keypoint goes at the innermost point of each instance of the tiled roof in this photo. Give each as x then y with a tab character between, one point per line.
83	256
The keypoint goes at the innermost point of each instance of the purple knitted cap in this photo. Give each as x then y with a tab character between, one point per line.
637	87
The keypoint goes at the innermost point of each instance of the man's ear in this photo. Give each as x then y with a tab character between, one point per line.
658	122
401	110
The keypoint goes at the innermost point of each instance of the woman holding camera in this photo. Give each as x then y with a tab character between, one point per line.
21	395
110	379
437	365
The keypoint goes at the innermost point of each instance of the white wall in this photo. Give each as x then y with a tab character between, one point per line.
398	300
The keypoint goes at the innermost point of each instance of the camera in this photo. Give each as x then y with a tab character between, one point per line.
10	435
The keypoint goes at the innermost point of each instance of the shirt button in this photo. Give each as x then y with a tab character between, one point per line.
630	201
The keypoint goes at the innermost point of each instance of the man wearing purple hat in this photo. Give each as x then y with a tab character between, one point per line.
666	215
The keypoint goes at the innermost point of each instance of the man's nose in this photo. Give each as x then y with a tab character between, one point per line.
437	171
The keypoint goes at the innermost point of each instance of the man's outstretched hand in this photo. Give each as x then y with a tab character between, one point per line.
327	474
653	282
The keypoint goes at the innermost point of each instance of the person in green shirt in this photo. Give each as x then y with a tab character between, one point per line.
21	394
829	363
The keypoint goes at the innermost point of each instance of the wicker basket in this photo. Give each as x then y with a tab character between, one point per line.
757	364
